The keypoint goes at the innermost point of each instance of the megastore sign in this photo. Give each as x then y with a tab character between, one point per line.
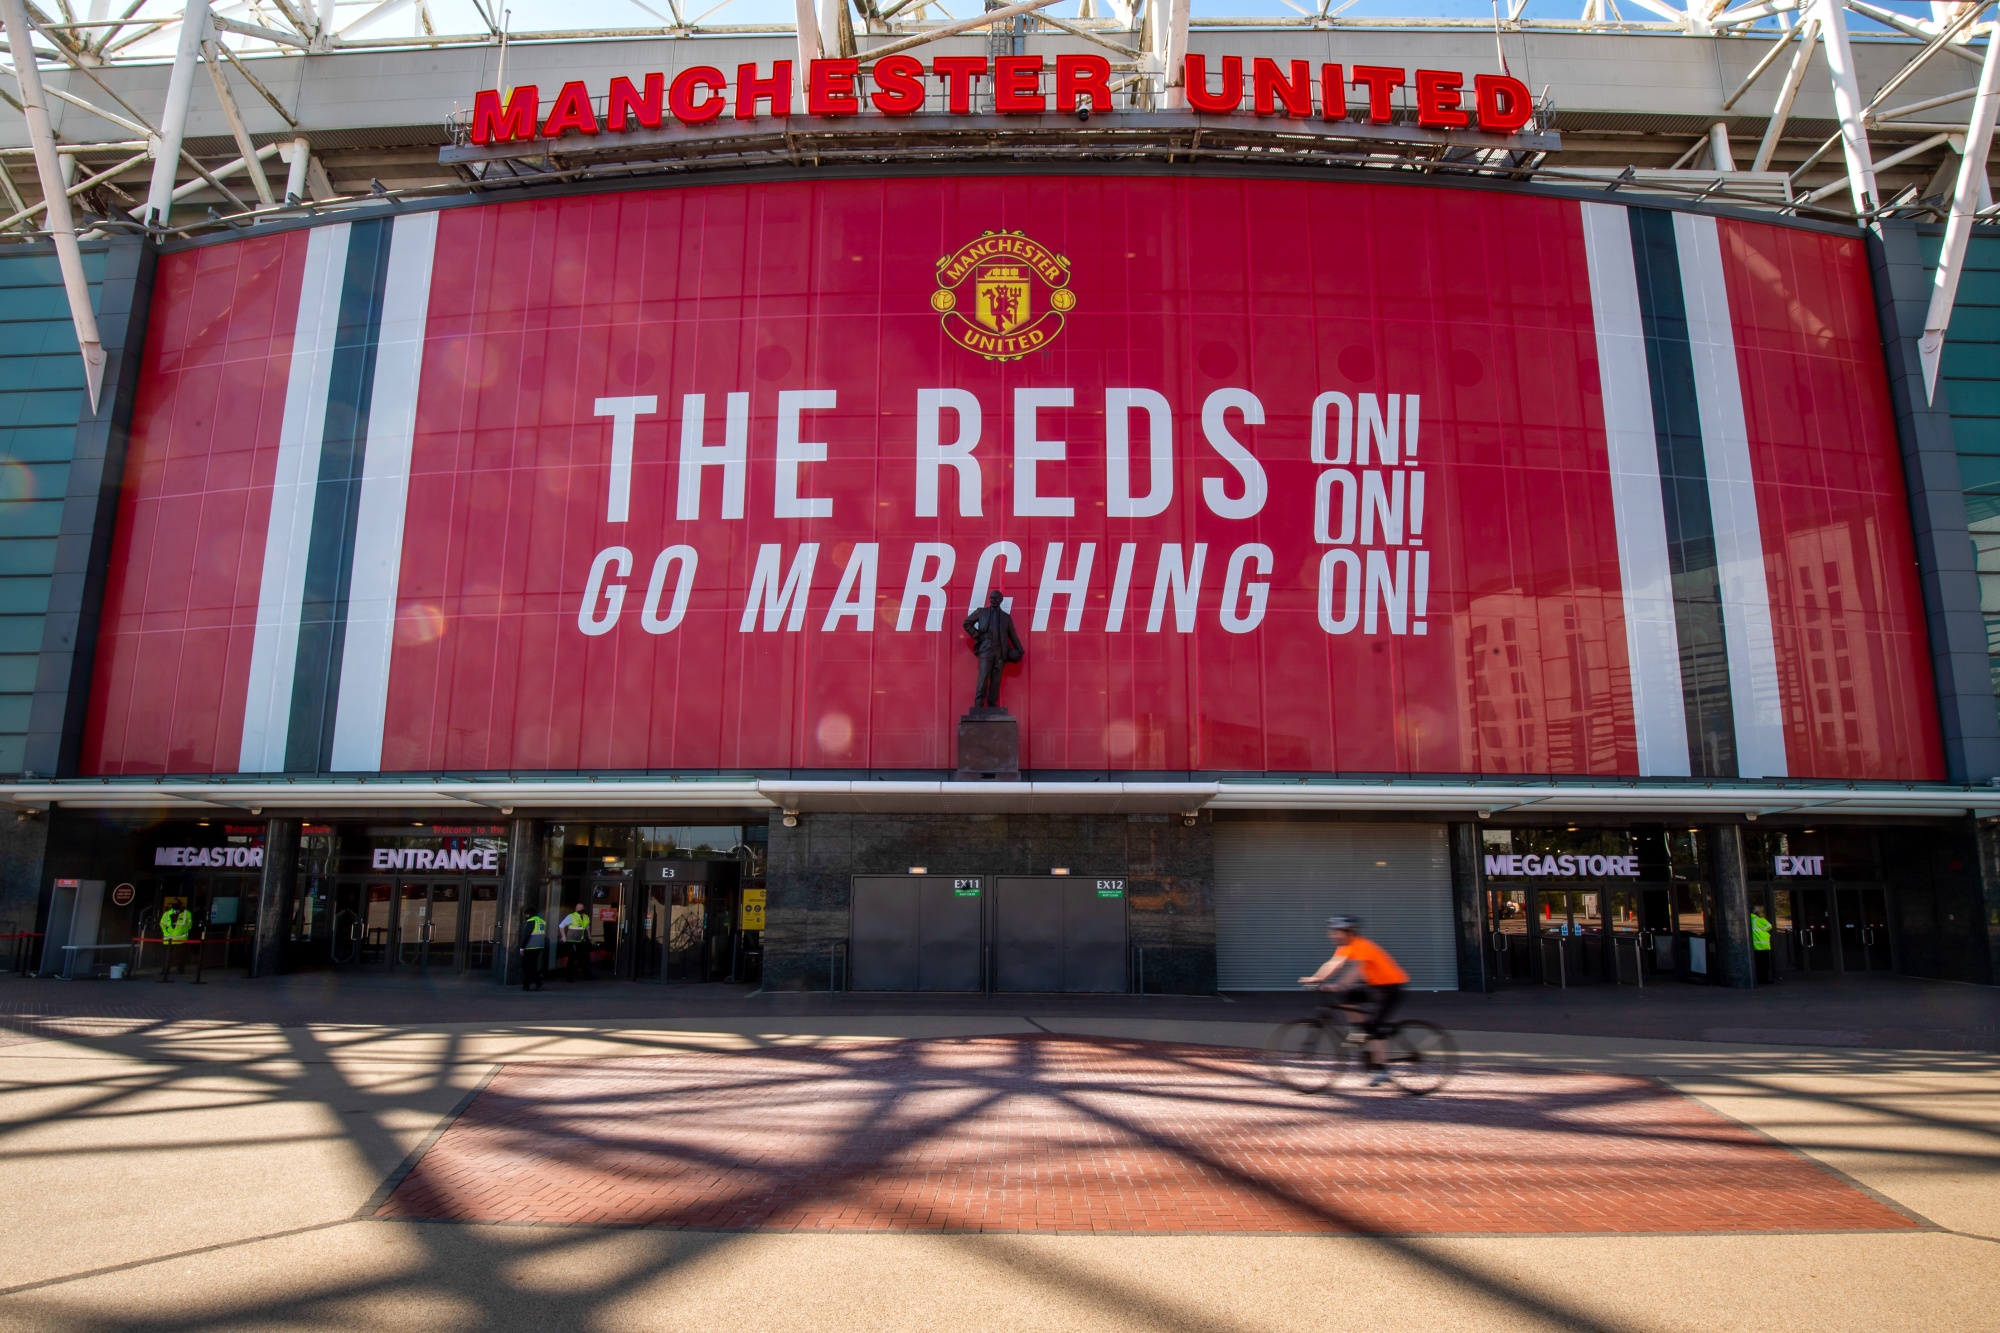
901	85
1277	476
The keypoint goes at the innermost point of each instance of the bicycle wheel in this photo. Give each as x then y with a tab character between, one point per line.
1303	1055
1421	1057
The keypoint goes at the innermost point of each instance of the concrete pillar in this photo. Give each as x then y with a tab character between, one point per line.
1468	909
1729	961
517	894
274	897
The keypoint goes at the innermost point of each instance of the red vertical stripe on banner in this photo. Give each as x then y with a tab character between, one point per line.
1847	614
180	608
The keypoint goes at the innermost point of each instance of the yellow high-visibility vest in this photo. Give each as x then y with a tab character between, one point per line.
176	924
1760	932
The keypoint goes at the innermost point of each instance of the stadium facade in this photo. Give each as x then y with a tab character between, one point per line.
1430	480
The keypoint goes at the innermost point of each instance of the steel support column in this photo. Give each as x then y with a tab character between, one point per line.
1787	95
1847	105
274	897
1965	202
234	115
55	193
1729	960
297	158
1468	909
173	120
518	897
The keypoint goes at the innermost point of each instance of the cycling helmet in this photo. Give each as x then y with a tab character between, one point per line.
1343	923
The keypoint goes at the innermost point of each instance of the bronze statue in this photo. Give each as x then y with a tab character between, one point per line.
995	644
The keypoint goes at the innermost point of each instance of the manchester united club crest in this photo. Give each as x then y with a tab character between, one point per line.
1003	295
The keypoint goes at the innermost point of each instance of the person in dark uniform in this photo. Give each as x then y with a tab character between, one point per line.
995	644
534	951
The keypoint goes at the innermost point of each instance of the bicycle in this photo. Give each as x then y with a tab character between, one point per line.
1313	1054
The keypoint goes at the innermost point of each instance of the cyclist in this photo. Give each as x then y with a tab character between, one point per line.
1382	983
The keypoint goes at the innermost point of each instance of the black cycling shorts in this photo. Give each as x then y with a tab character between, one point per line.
1380	1001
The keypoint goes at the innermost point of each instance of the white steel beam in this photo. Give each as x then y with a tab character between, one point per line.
1847	105
1175	53
296	158
25	211
1770	59
1958	225
1752	13
173	120
271	35
236	125
1895	159
809	37
1720	155
1906	25
62	228
942	30
1782	112
1922	58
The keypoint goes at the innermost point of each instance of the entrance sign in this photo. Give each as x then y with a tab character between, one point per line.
424	858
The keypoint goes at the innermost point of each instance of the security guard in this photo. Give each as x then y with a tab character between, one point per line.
534	952
576	942
1760	946
176	924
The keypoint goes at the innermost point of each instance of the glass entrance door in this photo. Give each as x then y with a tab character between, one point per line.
430	926
1656	930
446	927
1507	935
1864	929
482	925
687	929
1819	944
649	955
378	924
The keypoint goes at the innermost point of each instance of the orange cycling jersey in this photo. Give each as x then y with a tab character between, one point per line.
1377	967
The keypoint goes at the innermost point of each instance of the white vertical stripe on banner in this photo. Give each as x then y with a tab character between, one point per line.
385	493
267	707
1732	500
1652	642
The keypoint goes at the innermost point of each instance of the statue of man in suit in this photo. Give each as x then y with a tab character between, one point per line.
995	644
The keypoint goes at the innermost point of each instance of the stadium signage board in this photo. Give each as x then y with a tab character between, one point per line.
1313	476
1020	85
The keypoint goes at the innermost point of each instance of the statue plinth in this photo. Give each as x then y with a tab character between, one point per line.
989	746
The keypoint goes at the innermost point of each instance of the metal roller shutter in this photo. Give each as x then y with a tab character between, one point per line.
1277	883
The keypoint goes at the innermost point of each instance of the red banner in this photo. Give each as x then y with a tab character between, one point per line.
1280	476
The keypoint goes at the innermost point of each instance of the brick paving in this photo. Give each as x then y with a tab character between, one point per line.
1069	1134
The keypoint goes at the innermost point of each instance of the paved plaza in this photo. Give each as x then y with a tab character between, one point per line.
1083	1166
1046	1133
